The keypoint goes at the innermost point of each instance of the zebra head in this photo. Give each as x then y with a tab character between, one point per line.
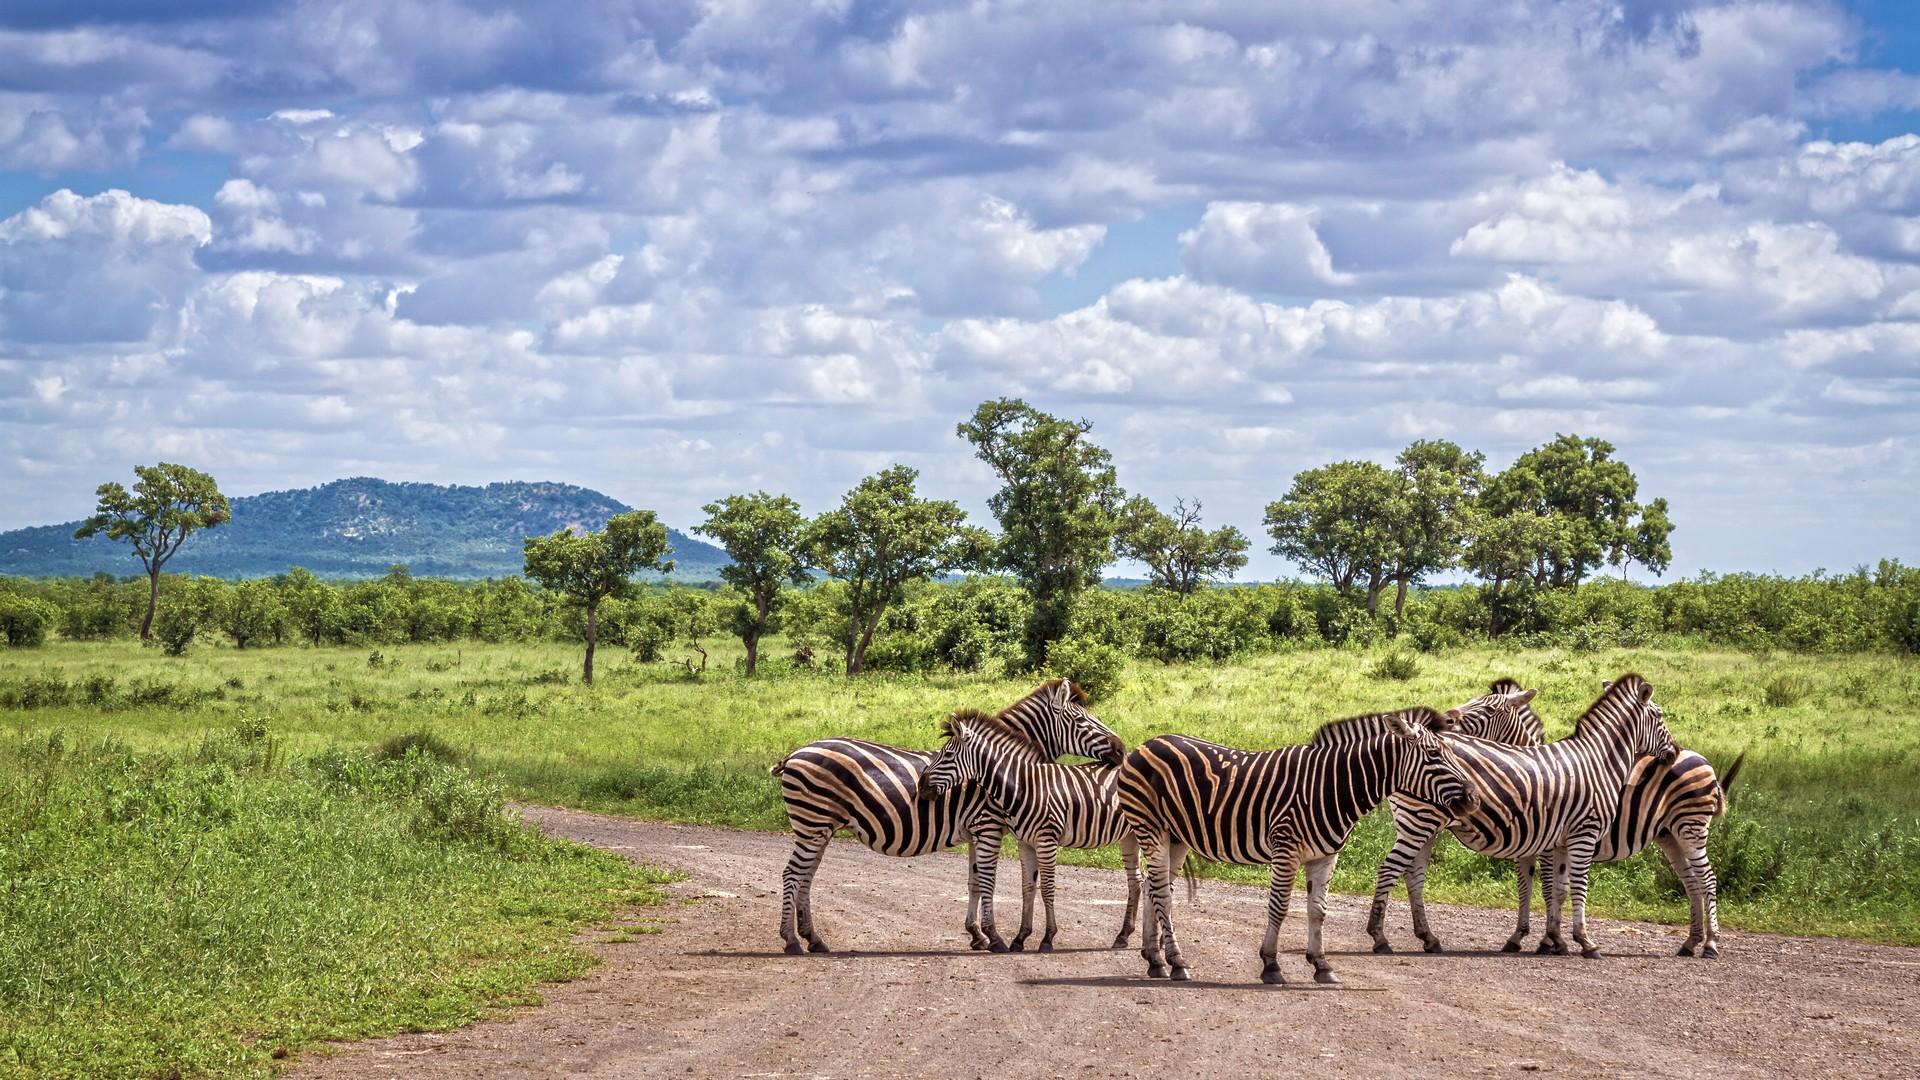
1424	769
1055	715
972	739
1648	736
1499	716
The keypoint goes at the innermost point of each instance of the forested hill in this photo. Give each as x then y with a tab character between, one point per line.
357	528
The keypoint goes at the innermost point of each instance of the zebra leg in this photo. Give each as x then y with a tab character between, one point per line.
1406	846
796	893
1046	850
1417	896
1130	856
1279	891
1523	870
1319	872
1154	852
1029	874
1580	865
1555	888
984	864
1696	921
1693	841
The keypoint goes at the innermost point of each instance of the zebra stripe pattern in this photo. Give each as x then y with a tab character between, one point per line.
1672	806
1289	809
870	788
1048	805
1558	799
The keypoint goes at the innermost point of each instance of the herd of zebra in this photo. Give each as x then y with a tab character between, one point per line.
1482	770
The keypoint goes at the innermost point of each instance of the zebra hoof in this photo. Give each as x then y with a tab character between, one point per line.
1045	946
1017	945
977	945
1325	977
1179	974
1559	948
818	946
1511	946
1685	950
1382	947
1433	946
1120	942
794	948
1590	952
1545	948
1709	953
997	946
1156	971
1272	977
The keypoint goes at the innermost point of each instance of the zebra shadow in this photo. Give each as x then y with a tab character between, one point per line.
877	954
1139	982
1524	954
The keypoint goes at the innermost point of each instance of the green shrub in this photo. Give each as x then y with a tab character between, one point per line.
1786	691
1395	666
24	620
899	652
425	743
1095	668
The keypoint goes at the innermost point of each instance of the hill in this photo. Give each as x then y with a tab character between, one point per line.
357	528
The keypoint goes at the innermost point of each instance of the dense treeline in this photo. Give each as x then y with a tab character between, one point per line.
976	622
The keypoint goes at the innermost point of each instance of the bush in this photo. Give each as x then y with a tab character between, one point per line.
424	743
1095	668
1786	691
1395	666
24	620
899	652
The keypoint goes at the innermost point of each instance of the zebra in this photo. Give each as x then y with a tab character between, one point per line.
1673	807
1559	798
869	788
1048	805
1288	808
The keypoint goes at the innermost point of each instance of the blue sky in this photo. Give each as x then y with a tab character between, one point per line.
677	250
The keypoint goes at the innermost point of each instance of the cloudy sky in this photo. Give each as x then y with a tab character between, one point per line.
677	250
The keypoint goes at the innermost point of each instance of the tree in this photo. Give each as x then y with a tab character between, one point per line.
1179	553
168	504
1504	551
880	538
1438	483
1058	507
313	605
590	567
765	537
1587	498
1338	521
250	612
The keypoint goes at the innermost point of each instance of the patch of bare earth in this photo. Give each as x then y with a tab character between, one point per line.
712	995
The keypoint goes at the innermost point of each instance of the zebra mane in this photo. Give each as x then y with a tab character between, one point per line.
1506	684
991	724
1355	728
1078	695
1622	695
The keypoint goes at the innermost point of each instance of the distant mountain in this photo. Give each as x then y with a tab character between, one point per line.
357	528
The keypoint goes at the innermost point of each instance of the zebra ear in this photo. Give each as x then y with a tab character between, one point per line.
1646	691
1397	723
1522	697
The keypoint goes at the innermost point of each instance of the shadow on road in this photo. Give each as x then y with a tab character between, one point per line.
1137	982
856	954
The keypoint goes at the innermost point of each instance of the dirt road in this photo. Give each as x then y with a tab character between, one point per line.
712	995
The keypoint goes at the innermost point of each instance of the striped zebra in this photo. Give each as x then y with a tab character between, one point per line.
1289	809
1047	805
1672	806
1556	799
870	788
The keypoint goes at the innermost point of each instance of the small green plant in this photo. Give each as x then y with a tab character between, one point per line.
376	660
425	743
1395	666
1786	691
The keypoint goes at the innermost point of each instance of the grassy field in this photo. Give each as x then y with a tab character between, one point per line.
203	905
1824	836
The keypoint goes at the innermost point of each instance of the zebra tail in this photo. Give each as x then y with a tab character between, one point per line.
1726	782
1190	869
780	766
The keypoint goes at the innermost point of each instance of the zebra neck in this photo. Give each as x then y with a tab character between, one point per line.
1610	749
1357	778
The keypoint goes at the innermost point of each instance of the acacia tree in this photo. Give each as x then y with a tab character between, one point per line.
587	568
168	504
765	536
1438	483
881	537
1588	498
1058	507
1338	521
1177	550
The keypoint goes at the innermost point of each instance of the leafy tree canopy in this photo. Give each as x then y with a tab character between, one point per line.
1178	551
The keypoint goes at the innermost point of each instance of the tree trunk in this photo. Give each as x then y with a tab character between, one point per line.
593	637
1493	609
858	653
1375	586
153	601
753	650
1399	604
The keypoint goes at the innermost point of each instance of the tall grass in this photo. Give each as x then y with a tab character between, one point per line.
196	906
1824	836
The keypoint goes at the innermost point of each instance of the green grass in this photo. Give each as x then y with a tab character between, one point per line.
187	905
1824	837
